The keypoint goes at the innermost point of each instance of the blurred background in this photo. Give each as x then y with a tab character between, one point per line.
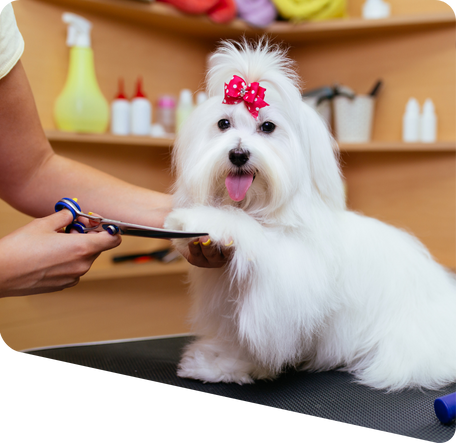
381	73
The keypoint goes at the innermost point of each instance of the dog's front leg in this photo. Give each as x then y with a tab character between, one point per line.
213	360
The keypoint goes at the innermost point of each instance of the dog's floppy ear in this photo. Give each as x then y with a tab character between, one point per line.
323	158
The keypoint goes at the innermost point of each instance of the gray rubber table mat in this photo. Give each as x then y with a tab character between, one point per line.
332	395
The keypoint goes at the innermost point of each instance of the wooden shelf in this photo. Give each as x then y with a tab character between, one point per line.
381	146
357	27
113	271
108	139
150	142
166	17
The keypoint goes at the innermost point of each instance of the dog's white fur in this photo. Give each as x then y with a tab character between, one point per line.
311	285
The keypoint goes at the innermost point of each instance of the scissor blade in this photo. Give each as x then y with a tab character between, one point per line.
146	231
160	234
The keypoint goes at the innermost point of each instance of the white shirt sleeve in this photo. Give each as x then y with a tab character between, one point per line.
11	41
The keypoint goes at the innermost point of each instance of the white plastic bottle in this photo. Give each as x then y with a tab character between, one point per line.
141	112
411	122
184	108
201	97
428	122
120	112
375	9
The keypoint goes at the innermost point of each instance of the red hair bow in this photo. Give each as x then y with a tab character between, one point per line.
237	91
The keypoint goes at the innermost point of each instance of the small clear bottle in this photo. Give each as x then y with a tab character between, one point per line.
184	108
166	113
411	122
428	124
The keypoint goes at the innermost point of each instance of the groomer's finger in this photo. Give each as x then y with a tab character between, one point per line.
222	252
58	220
227	250
215	254
93	222
211	251
195	255
89	223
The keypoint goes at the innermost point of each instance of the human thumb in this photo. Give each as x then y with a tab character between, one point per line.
59	220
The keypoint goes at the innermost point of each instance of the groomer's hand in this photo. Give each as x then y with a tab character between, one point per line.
205	253
39	257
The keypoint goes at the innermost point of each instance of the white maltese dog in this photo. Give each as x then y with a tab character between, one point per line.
310	284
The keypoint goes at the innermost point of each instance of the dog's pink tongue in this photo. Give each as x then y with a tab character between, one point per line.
238	185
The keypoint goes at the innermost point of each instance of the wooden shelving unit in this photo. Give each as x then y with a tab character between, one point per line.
169	18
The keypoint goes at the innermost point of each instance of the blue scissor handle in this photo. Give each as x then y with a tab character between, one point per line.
78	226
70	204
111	229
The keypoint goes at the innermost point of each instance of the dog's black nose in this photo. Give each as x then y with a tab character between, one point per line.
239	157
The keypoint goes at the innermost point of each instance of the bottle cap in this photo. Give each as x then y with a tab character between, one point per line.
139	90
186	97
413	106
201	97
78	30
428	107
120	93
445	408
166	101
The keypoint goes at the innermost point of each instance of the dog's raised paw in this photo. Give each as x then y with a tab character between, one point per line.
175	221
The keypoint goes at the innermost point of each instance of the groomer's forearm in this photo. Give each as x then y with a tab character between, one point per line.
97	191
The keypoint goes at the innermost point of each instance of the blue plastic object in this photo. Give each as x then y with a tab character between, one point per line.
111	229
445	408
68	203
77	226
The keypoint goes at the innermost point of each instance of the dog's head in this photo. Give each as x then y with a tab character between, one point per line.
263	159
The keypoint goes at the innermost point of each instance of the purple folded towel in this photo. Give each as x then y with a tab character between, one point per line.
258	13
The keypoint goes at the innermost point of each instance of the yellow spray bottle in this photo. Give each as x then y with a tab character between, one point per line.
81	106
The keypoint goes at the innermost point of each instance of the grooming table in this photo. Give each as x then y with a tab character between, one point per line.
332	395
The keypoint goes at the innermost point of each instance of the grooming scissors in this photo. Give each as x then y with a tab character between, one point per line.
114	227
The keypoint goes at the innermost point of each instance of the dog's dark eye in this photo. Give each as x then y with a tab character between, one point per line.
223	124
267	127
